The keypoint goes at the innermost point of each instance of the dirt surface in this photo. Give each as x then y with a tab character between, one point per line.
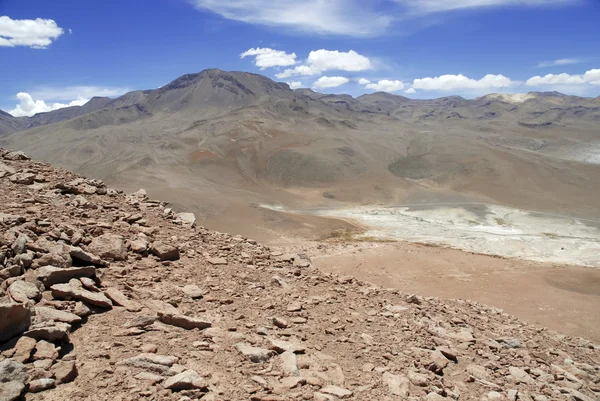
106	296
564	298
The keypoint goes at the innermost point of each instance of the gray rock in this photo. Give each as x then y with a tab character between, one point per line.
14	320
13	371
109	246
6	170
118	298
183	321
11	390
50	275
397	385
289	364
19	245
281	346
22	178
188	380
256	355
186	219
22	291
35	386
193	291
74	290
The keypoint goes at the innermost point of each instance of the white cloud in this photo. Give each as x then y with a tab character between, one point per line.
590	77
295	84
410	91
454	82
385	85
330	82
37	34
53	98
28	107
325	60
75	92
265	57
337	17
433	6
299	70
560	61
363	81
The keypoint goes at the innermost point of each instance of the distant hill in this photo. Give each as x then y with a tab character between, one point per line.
222	141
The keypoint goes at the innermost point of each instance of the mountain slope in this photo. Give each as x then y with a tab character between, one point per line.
221	142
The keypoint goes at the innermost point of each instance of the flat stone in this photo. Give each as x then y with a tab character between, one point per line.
45	350
109	246
183	321
118	298
186	219
140	322
57	331
50	275
35	386
150	377
151	362
74	290
216	261
193	291
188	380
23	349
397	385
22	291
281	346
289	364
255	354
14	320
336	391
84	256
22	178
165	251
518	375
65	371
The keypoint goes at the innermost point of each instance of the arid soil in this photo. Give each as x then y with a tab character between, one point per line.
561	297
112	297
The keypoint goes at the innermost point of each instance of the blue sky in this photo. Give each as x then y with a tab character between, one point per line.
56	53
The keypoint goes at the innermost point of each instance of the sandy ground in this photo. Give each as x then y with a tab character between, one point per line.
561	297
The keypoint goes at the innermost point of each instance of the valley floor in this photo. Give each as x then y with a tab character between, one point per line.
564	298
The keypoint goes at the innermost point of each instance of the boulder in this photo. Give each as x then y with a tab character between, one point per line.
14	320
188	380
186	219
50	275
49	331
74	290
22	291
165	251
109	246
43	313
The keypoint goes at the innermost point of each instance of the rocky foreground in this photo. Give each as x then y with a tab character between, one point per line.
105	296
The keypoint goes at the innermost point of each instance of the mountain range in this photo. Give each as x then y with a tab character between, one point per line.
221	143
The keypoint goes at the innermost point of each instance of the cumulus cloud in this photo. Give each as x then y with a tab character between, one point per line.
265	57
49	98
28	107
363	81
410	91
76	92
385	85
295	84
330	82
323	60
37	34
591	77
453	82
337	17
560	61
434	6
